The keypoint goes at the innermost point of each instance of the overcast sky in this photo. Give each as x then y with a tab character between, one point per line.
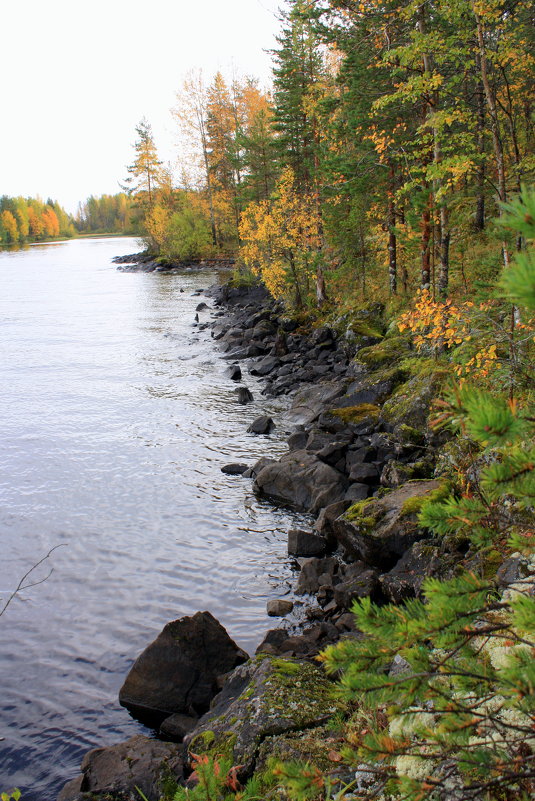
78	77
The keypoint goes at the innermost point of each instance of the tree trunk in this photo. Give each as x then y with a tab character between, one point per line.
479	222
494	121
443	272
425	247
321	292
392	242
298	297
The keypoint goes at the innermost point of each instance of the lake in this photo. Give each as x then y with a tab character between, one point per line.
116	420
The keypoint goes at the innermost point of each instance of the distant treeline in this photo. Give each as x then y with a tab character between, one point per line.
31	220
107	214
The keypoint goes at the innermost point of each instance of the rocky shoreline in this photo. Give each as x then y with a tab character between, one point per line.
145	263
361	459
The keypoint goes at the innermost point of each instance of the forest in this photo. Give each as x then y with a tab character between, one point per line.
393	135
30	220
25	220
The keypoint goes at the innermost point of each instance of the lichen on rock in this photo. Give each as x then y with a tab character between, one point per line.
272	696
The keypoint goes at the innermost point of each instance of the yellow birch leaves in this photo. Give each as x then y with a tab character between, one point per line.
281	238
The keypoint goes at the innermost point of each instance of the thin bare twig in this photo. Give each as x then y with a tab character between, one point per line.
22	586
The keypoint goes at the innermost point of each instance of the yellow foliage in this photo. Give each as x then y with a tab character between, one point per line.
280	237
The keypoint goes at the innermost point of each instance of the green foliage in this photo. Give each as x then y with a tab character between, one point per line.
107	214
216	779
518	283
188	235
459	714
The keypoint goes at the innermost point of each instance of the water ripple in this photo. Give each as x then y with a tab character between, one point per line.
117	419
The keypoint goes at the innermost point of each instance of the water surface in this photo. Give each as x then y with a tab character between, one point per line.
116	418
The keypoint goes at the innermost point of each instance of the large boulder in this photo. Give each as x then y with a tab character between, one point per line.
380	530
265	697
409	405
118	773
178	671
301	480
311	401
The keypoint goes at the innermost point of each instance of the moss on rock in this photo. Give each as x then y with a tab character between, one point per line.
356	414
280	695
385	352
409	404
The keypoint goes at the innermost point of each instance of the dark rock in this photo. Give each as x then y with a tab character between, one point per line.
305	543
394	474
264	461
309	403
121	771
380	530
405	580
346	622
280	347
289	325
334	453
266	366
364	474
321	336
263	330
247	352
279	608
359	582
234	469
514	569
201	307
177	672
177	726
272	641
328	514
316	573
317	439
244	395
359	455
302	480
410	404
262	425
297	440
357	492
234	372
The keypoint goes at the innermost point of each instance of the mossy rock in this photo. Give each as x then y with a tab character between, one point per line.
415	504
385	352
356	414
379	530
273	696
409	405
374	387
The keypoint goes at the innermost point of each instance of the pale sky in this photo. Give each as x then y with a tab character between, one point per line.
78	77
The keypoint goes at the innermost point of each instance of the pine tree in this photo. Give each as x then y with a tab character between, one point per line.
144	172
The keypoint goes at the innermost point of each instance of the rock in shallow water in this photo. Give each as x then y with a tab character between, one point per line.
262	425
302	480
279	608
178	671
117	772
234	469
